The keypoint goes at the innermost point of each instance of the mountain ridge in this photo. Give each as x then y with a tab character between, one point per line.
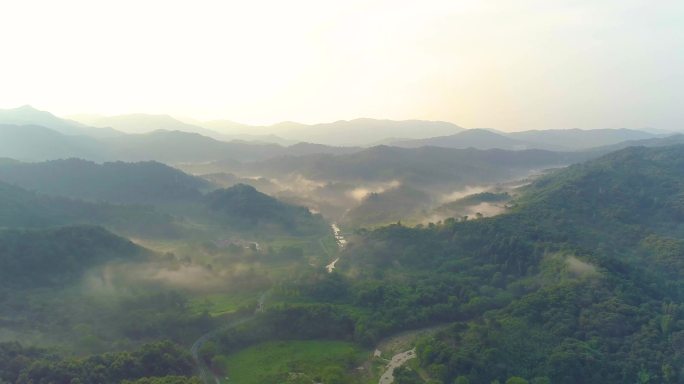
27	115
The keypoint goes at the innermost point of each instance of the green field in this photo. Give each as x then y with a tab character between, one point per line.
293	362
219	304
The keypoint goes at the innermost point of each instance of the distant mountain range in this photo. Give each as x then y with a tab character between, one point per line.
672	139
578	139
37	143
143	123
27	115
29	134
471	138
364	132
554	139
357	132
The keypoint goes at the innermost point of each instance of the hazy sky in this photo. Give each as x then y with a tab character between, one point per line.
507	64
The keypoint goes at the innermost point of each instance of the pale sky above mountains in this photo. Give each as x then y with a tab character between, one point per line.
503	64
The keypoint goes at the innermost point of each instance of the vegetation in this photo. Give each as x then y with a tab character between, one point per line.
387	207
577	284
243	207
579	281
477	198
595	302
158	363
118	182
35	258
425	166
292	362
74	287
23	209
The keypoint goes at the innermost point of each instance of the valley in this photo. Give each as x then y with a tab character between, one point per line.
249	263
341	192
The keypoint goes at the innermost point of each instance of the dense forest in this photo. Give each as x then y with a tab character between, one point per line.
341	192
433	166
33	258
21	208
243	207
578	281
117	182
157	363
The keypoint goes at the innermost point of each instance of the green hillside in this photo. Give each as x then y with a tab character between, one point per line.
117	182
421	167
20	208
568	287
242	207
582	283
31	258
387	207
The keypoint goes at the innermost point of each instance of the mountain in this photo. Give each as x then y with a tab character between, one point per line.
58	256
471	138
242	207
138	123
244	132
178	146
578	139
552	140
226	126
387	207
364	132
351	133
671	139
131	183
27	115
631	188
579	283
226	180
141	123
20	208
36	143
303	149
471	205
427	166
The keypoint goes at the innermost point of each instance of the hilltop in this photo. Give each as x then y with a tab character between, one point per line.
242	207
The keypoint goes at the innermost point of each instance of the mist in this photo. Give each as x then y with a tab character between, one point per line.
127	278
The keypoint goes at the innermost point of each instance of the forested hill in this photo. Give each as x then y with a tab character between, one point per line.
119	182
20	208
243	207
394	205
581	283
425	166
54	257
636	189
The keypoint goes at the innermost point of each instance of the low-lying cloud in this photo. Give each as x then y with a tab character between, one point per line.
359	193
